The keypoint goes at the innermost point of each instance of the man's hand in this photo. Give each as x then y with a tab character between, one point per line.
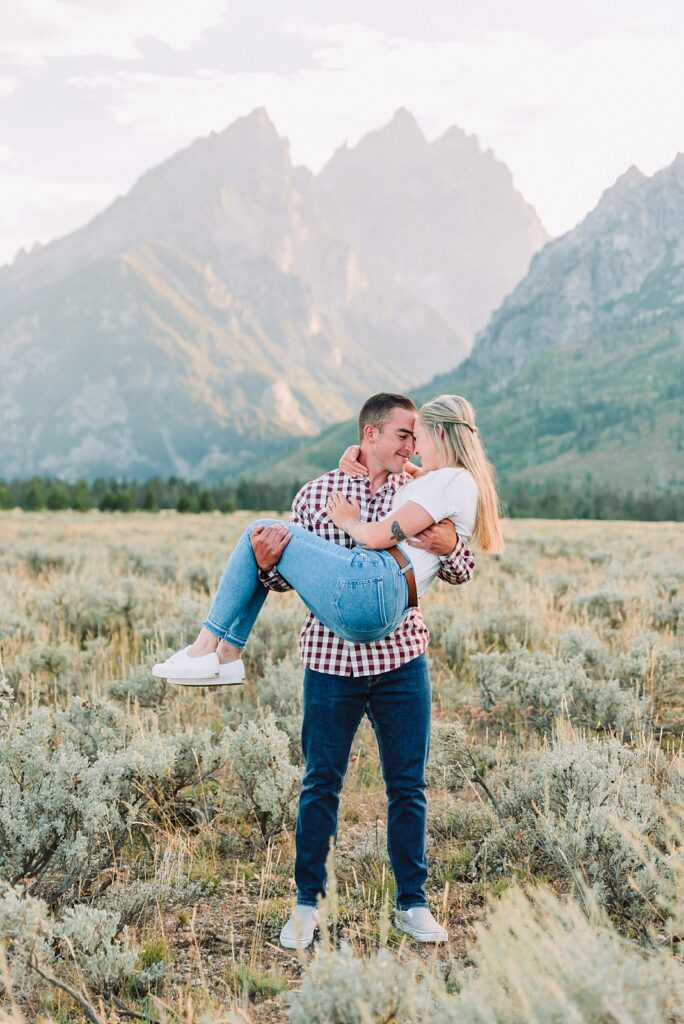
440	538
268	544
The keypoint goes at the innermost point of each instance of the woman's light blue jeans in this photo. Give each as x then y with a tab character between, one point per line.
360	595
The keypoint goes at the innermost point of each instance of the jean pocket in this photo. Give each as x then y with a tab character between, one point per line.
360	605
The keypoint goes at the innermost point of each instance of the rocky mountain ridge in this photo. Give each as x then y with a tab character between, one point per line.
579	376
228	305
623	264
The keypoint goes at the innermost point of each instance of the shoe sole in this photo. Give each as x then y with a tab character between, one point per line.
296	943
422	936
207	681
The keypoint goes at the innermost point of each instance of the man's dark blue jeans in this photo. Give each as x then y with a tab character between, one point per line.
398	704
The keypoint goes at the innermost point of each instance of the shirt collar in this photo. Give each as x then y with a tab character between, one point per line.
392	483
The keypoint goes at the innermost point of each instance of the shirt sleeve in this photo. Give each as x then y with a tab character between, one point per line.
459	566
439	493
300	515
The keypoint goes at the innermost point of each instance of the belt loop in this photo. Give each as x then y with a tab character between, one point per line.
405	564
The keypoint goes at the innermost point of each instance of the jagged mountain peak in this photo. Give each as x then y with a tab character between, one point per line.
674	172
227	280
621	268
254	129
404	123
627	183
458	140
250	140
399	139
677	164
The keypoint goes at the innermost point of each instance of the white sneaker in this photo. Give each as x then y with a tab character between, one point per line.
298	932
419	923
180	666
230	674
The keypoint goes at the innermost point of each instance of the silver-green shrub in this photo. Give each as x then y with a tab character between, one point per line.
260	756
537	960
507	625
565	808
339	988
48	659
101	949
91	938
26	934
541	960
141	687
75	783
275	634
609	604
577	643
140	899
90	610
521	687
154	567
40	561
451	764
279	689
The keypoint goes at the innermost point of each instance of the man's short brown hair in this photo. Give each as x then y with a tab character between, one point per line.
378	408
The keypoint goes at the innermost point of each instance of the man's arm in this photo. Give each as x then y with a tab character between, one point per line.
459	566
457	560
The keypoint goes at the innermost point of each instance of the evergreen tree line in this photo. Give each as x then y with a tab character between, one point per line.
111	495
520	500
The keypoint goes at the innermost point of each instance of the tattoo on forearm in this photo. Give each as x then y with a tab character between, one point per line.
397	532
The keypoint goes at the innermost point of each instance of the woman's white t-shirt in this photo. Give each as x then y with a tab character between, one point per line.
449	493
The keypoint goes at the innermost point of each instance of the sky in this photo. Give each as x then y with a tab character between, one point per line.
94	92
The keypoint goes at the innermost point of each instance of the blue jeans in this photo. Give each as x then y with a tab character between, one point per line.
361	595
398	704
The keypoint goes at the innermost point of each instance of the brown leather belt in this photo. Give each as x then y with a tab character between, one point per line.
402	561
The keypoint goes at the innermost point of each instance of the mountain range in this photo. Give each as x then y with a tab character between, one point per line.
232	304
579	375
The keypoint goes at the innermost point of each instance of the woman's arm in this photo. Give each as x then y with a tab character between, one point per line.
349	464
394	528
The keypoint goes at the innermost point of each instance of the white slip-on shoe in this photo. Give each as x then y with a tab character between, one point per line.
230	674
180	666
419	923
298	931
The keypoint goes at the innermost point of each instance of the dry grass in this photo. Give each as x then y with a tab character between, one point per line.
86	600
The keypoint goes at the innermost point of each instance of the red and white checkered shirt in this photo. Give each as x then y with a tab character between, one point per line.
319	648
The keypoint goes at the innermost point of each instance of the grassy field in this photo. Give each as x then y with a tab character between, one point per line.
146	846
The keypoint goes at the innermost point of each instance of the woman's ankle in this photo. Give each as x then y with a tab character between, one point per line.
206	643
228	652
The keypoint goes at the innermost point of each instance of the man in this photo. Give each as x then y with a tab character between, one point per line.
388	680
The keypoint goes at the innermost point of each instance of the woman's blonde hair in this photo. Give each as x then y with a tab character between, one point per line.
450	422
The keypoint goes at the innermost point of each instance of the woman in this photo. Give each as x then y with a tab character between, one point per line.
362	593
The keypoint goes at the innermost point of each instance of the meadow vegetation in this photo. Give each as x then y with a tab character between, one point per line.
146	831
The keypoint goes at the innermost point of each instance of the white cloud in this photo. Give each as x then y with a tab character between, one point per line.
8	84
567	119
33	30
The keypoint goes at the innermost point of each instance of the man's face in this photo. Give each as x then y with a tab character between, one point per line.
394	441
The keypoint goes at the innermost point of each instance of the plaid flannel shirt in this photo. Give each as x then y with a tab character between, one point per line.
319	648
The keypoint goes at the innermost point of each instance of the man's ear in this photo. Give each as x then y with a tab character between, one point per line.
370	432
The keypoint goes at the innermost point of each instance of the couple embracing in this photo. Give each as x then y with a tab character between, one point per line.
363	544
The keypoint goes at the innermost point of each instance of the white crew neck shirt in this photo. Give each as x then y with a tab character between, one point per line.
449	493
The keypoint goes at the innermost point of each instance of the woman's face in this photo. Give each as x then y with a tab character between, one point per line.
425	448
